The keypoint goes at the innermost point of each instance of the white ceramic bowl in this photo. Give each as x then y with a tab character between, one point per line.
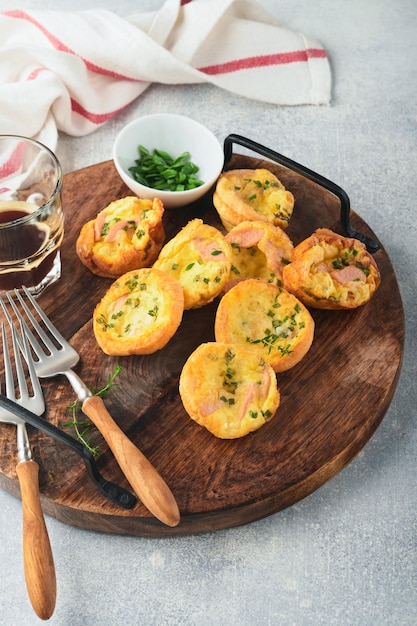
174	134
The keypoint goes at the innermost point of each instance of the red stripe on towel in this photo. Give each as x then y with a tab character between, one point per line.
58	45
35	73
95	118
13	163
265	60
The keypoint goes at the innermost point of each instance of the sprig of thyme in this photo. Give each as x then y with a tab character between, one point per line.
82	428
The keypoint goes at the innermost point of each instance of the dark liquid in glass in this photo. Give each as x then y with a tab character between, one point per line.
20	246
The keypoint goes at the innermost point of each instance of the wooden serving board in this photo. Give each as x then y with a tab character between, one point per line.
331	403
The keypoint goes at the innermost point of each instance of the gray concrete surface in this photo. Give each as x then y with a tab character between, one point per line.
347	554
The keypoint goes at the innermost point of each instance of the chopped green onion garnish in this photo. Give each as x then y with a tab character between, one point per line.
159	170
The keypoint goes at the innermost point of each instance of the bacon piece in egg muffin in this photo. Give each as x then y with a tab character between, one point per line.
329	271
200	258
128	234
260	250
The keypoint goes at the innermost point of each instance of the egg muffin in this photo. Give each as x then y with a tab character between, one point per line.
267	319
228	389
139	313
128	234
200	258
252	195
329	271
260	250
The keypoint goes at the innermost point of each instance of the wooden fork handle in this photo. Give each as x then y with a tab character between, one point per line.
147	483
37	553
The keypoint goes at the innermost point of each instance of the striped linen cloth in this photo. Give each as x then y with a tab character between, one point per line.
73	71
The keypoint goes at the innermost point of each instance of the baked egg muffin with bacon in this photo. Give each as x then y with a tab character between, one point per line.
139	313
260	250
267	319
252	195
200	259
329	271
228	389
128	234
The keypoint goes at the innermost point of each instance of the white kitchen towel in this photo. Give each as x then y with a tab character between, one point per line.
73	71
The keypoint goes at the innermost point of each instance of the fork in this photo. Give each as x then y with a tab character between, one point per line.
37	553
145	480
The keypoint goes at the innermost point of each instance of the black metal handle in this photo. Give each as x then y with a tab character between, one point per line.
114	492
371	245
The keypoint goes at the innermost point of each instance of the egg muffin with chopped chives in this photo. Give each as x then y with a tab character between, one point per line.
127	234
260	250
268	319
200	259
228	389
330	271
252	195
139	313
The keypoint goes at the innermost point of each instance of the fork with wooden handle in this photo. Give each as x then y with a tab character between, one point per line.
37	553
147	483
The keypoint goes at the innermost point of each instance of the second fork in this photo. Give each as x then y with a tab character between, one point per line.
37	553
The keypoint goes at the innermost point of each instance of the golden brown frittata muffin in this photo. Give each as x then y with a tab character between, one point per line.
200	258
267	319
128	234
252	195
260	250
139	313
229	389
329	271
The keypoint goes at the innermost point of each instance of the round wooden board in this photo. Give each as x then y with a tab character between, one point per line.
331	403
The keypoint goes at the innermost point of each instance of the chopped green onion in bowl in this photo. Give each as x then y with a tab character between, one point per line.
172	135
159	170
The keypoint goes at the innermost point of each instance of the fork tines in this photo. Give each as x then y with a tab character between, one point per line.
29	314
25	380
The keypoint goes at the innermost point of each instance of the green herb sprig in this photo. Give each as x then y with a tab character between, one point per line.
159	170
82	428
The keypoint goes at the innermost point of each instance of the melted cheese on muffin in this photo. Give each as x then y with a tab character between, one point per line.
228	389
329	271
199	257
139	313
260	250
128	234
252	195
267	319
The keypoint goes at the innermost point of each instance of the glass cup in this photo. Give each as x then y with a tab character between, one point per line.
31	217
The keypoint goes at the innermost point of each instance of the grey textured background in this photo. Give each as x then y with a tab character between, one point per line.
346	555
